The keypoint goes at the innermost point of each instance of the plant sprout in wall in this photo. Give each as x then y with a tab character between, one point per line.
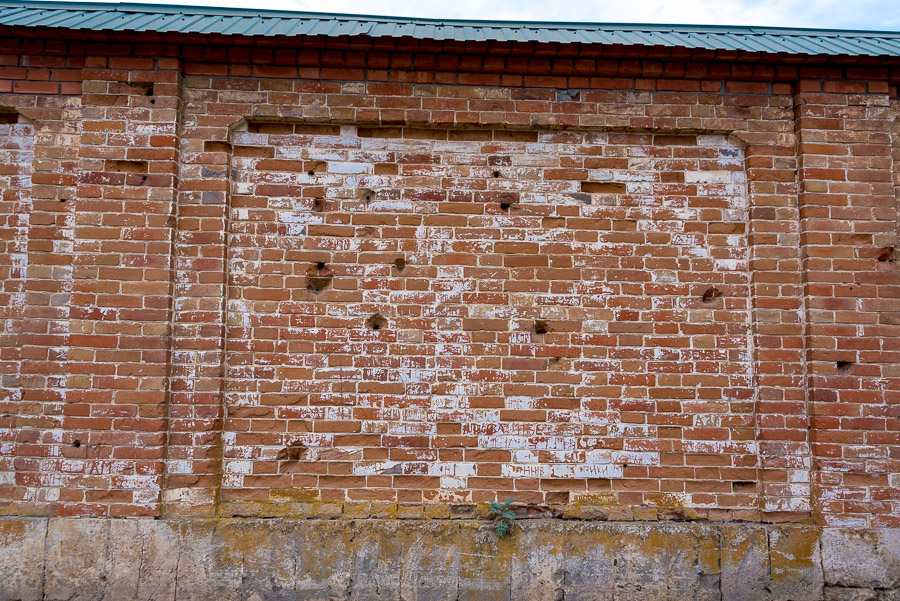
502	514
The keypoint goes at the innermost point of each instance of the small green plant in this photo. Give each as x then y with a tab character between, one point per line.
503	514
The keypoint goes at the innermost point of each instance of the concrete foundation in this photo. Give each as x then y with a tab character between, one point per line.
268	559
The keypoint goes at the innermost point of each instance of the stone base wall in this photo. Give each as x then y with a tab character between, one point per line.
257	559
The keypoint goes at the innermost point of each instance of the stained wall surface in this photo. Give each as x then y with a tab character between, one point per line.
410	278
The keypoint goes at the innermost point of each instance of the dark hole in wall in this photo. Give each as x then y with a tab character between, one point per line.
318	277
844	366
567	95
144	89
504	199
291	453
317	284
710	294
213	146
9	118
77	443
886	255
743	486
318	204
317	129
541	326
314	167
379	132
674	140
400	263
262	127
376	322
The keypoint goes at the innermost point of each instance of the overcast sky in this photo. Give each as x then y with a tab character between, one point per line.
832	14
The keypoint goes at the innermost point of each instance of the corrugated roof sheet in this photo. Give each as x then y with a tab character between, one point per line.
228	21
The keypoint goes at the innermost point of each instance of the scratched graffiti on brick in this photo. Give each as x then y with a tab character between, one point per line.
606	240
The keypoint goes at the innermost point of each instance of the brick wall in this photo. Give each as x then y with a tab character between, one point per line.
358	276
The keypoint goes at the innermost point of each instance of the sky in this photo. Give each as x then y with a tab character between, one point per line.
881	15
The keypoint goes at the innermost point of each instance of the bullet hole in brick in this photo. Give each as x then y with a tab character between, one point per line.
316	167
317	284
319	204
291	453
400	263
368	198
844	366
316	279
625	466
7	118
504	206
149	89
495	174
376	322
886	255
711	294
77	443
153	101
541	326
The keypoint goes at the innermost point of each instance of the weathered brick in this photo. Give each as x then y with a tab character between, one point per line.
515	299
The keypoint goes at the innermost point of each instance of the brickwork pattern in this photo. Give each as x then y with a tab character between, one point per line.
40	88
678	293
466	314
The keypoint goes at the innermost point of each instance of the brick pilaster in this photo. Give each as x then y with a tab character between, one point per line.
851	289
120	310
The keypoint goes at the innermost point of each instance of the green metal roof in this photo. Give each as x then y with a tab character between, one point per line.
97	16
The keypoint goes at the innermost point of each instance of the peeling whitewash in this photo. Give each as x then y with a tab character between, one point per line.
459	346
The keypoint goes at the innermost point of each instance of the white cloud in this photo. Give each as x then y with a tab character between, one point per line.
832	14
